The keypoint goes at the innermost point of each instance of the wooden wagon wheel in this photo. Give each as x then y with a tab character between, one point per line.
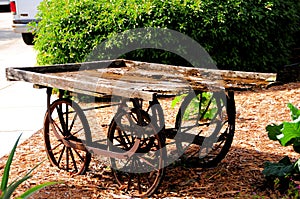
141	174
205	124
64	124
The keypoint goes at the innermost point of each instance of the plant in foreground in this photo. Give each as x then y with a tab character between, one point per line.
285	173
6	190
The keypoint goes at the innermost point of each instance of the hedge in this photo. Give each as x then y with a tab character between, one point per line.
239	35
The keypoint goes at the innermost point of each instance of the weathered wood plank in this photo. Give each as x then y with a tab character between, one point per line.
218	78
198	71
137	79
58	68
75	84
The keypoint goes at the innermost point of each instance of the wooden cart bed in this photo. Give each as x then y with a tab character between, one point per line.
137	79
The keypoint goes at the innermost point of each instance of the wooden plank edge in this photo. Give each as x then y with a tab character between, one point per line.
195	71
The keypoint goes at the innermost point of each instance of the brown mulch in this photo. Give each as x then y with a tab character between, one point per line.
239	175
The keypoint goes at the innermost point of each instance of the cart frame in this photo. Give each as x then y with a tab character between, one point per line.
135	82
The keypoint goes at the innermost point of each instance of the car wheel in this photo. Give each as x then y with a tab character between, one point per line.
28	38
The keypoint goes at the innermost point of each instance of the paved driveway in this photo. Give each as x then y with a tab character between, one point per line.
21	107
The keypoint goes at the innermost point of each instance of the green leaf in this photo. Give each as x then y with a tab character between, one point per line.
290	131
273	131
295	112
277	169
285	160
35	189
7	166
210	114
31	170
11	188
297	165
177	100
296	145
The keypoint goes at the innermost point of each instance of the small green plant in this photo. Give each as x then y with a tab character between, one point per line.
6	190
284	173
207	101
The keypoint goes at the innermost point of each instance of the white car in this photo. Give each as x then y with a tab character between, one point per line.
24	12
4	2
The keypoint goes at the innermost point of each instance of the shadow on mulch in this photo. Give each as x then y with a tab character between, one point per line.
239	175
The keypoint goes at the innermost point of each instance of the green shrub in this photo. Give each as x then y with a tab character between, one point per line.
239	35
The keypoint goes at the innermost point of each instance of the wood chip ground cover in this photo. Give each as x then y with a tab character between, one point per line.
239	175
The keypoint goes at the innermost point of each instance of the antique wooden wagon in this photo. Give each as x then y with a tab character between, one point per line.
138	139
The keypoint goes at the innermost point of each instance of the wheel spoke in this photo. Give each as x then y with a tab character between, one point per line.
61	119
73	160
78	154
67	158
60	144
149	177
119	140
61	155
139	183
206	109
67	118
123	141
147	162
127	163
129	181
73	121
59	129
133	116
194	154
75	133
